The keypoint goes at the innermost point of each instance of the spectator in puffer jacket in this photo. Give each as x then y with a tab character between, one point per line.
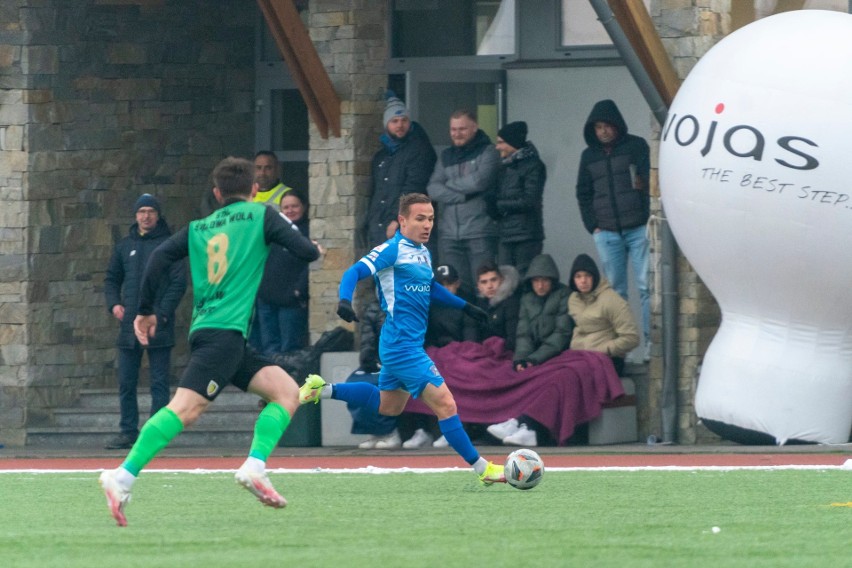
612	191
402	165
603	321
518	201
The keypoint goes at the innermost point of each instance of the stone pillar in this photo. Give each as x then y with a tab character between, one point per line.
350	38
14	218
688	28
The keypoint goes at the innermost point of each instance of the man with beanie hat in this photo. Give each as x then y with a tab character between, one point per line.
463	185
518	202
614	199
122	288
402	165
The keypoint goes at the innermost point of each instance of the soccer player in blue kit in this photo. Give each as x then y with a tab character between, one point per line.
402	268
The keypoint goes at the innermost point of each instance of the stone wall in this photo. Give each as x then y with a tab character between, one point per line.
100	101
688	28
350	37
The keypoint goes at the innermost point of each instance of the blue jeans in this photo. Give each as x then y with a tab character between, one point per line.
614	249
281	329
129	361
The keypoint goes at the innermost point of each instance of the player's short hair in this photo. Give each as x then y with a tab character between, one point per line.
269	153
409	199
464	112
234	176
486	267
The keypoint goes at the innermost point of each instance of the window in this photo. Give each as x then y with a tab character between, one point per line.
580	24
442	28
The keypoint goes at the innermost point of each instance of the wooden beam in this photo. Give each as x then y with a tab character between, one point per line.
637	26
304	64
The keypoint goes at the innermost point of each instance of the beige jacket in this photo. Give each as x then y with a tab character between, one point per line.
602	322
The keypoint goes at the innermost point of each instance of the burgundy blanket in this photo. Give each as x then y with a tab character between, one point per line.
560	393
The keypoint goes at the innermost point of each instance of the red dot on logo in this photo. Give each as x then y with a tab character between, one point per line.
720	107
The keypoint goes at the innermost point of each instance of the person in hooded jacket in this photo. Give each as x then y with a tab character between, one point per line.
122	288
402	165
518	200
603	321
613	195
463	186
544	331
282	298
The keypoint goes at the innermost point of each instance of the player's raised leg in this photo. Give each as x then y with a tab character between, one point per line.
282	396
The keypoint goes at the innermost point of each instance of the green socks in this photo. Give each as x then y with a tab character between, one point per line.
155	435
268	429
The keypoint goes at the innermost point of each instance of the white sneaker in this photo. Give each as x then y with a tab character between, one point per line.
117	496
523	437
440	442
420	439
259	485
389	442
504	429
369	443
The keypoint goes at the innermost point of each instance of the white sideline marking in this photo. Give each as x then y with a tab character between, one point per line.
385	470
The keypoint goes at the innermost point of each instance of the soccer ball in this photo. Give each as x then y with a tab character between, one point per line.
524	469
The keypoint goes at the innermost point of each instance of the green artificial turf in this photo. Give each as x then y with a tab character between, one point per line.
574	518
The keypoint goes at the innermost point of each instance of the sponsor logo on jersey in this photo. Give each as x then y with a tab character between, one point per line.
418	287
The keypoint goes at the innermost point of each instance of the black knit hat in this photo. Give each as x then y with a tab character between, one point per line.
147	200
585	263
514	134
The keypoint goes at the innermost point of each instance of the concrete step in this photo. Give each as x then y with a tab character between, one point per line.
96	437
235	416
108	398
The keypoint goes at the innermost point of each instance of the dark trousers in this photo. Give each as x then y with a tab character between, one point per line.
129	361
281	328
466	256
518	254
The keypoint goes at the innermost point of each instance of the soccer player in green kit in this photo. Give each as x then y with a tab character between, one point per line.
227	252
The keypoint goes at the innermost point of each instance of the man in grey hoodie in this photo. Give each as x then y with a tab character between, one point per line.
464	179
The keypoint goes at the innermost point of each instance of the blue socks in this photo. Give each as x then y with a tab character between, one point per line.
458	439
358	394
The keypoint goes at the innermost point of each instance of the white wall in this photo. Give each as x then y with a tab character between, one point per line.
555	104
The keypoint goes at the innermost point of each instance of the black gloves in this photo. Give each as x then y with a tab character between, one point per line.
345	311
475	312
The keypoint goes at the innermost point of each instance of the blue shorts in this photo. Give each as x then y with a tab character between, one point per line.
409	370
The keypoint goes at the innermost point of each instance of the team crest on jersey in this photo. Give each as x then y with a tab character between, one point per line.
212	388
434	370
374	254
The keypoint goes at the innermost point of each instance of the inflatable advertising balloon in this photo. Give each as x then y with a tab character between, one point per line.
756	181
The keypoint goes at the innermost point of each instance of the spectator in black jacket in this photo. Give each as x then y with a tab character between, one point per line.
612	191
121	287
402	165
282	299
518	202
499	296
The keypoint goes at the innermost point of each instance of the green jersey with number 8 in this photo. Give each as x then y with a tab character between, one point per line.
227	253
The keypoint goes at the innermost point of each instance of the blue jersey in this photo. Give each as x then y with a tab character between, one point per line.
402	270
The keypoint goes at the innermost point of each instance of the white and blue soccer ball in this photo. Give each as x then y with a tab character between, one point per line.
524	469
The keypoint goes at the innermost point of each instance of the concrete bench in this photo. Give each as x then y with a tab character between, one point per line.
615	425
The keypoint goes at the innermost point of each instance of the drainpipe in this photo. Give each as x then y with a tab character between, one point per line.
668	252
